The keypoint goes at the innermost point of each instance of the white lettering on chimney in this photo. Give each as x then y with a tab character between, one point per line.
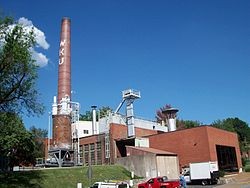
61	52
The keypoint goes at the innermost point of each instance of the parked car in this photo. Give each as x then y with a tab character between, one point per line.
160	182
110	185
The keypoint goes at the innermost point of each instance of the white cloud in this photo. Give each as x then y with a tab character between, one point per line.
41	59
25	22
40	38
39	35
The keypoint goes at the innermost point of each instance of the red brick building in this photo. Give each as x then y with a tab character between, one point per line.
200	144
203	143
105	148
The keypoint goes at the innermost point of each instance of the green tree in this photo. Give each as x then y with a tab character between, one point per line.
16	142
86	117
102	112
185	124
238	126
18	72
39	136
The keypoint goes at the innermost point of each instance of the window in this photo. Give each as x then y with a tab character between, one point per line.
227	159
98	153
81	153
92	153
86	154
151	181
85	131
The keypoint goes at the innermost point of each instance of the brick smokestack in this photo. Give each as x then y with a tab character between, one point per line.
64	70
62	120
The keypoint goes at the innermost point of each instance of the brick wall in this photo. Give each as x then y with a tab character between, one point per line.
118	132
195	144
192	145
93	140
225	138
61	131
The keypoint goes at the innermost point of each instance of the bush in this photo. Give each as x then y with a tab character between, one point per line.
221	173
244	160
247	162
247	168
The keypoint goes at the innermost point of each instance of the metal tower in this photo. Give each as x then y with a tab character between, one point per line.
129	96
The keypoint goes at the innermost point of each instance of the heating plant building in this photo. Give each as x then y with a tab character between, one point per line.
145	147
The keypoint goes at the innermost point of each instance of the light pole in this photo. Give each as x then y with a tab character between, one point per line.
49	125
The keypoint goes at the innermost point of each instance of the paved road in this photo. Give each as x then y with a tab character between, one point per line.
241	180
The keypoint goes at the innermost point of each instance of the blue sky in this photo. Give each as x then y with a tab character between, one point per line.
194	55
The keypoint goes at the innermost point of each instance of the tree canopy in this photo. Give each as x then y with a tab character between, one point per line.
16	142
238	126
38	136
185	124
102	112
159	115
18	73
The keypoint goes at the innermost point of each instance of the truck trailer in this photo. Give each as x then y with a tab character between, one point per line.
203	173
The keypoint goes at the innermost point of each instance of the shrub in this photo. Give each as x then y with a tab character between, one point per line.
247	162
221	173
243	159
247	168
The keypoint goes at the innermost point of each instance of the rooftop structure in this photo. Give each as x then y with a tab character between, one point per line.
171	114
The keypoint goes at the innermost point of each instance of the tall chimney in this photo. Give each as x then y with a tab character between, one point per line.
64	70
62	119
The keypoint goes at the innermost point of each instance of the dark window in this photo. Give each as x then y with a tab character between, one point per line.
227	159
151	181
92	153
123	185
98	153
86	154
81	153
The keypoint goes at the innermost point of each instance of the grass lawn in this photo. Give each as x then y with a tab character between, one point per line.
63	177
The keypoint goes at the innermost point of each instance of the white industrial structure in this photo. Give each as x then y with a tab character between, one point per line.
88	128
80	129
171	114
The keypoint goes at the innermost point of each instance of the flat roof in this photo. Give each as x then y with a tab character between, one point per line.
153	150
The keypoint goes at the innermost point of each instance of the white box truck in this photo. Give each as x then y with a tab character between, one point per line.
203	172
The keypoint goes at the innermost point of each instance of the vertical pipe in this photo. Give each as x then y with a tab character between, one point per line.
49	132
54	106
94	119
